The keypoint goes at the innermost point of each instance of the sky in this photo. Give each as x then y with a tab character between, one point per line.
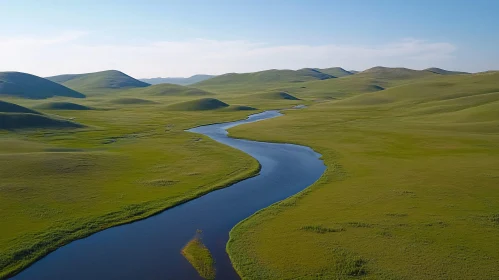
181	38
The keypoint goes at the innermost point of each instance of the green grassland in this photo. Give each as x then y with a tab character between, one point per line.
178	81
337	72
109	81
444	72
125	162
29	86
200	258
410	190
263	80
62	106
170	90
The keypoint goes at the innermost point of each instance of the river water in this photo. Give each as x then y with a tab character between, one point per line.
150	248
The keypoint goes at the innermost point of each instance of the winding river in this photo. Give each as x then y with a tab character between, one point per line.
150	248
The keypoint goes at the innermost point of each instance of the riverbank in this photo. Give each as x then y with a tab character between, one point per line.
63	186
151	247
402	198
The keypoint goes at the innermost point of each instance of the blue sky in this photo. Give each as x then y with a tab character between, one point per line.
182	38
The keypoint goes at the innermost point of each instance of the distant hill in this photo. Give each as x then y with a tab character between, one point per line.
99	81
262	79
444	72
62	106
13	116
63	78
399	73
29	86
233	108
7	107
178	81
171	89
278	95
131	101
13	121
199	105
450	97
336	72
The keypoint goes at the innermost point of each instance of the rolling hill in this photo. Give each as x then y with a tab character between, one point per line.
7	107
395	74
13	121
417	160
131	101
279	95
63	106
199	105
178	81
261	80
98	82
29	86
449	99
13	116
337	72
371	80
171	90
444	72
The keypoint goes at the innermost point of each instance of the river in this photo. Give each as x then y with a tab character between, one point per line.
150	248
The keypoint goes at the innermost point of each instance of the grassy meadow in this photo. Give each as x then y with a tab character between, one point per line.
411	188
200	257
128	158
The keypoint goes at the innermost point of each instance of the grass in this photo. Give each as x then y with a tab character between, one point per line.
63	106
337	72
199	105
171	90
235	82
444	72
29	86
278	95
131	101
127	163
15	121
178	81
412	176
7	107
239	108
200	257
98	82
410	190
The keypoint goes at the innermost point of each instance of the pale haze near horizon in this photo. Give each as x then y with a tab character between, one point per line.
183	38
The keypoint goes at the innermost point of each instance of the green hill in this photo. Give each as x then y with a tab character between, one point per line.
413	166
260	80
178	81
233	108
171	90
99	81
7	107
395	74
63	78
463	98
131	101
30	86
278	95
336	72
444	72
199	105
336	88
13	121
63	106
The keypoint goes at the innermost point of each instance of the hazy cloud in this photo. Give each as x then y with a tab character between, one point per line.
71	52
